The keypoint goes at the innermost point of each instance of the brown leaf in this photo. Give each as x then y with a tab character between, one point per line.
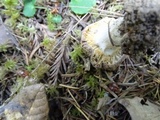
139	111
29	104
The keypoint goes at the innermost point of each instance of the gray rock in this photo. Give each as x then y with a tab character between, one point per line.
6	36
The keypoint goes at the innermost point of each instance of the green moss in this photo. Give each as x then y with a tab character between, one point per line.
3	72
50	23
94	103
77	54
32	65
19	83
11	10
52	91
100	93
9	64
92	82
23	27
116	7
75	112
40	71
3	48
48	43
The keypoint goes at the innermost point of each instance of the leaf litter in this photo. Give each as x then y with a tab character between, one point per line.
75	89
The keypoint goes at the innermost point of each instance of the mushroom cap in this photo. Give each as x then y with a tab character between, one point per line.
102	41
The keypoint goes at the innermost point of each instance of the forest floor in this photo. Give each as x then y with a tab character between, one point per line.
42	51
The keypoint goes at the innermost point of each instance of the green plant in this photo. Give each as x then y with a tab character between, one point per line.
52	20
10	64
3	48
11	10
29	8
94	103
2	73
116	7
92	82
100	93
40	71
25	29
52	90
31	66
77	54
48	43
75	112
19	83
81	6
50	23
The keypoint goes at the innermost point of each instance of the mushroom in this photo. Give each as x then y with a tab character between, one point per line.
102	41
109	40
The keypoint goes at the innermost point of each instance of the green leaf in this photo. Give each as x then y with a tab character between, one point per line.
29	1
81	6
57	18
29	9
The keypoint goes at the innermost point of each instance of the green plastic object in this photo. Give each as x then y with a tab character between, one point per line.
81	6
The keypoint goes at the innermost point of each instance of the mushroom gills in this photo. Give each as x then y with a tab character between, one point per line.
102	41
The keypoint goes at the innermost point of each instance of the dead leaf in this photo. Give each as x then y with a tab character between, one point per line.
29	104
103	101
137	111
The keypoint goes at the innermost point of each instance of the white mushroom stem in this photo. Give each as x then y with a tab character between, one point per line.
104	34
102	41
